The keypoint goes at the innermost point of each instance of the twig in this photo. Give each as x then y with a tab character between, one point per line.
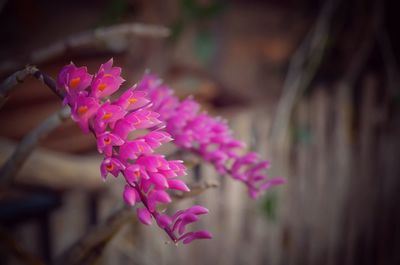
50	83
302	69
195	190
18	77
390	63
114	38
89	248
29	142
12	246
360	57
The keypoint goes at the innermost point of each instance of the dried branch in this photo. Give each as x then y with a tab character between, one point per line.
389	58
113	38
18	77
302	69
360	57
89	248
9	244
29	142
195	189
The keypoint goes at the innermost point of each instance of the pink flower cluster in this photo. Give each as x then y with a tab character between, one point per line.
208	137
147	175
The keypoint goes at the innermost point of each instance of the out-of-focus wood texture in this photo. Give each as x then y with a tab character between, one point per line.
56	170
338	206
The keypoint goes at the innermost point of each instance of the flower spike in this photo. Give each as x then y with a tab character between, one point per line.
148	176
208	137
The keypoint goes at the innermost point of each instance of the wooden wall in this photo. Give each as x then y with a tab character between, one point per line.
339	206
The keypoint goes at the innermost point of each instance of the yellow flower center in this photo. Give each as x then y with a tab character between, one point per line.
107	140
137	173
74	83
107	116
82	110
102	87
110	167
132	100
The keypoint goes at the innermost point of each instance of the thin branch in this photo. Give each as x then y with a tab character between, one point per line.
195	189
29	142
12	246
50	83
361	55
19	76
390	63
302	69
113	38
88	248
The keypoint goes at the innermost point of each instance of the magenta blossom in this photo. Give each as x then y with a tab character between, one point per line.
148	176
208	137
83	109
132	99
107	80
108	114
106	141
74	79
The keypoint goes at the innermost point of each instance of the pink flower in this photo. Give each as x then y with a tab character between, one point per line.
144	216
177	184
133	149
106	81
177	224
74	79
83	109
106	141
153	163
132	99
112	166
107	114
157	196
135	173
131	196
143	119
155	138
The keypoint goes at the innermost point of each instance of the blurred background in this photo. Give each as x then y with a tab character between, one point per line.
311	85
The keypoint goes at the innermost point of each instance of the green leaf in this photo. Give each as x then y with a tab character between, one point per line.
270	206
198	11
176	29
204	46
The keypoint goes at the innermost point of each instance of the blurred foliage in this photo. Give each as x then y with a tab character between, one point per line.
270	206
198	10
115	10
204	46
198	14
302	135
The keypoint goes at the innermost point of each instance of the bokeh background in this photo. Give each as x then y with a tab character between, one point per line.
311	85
